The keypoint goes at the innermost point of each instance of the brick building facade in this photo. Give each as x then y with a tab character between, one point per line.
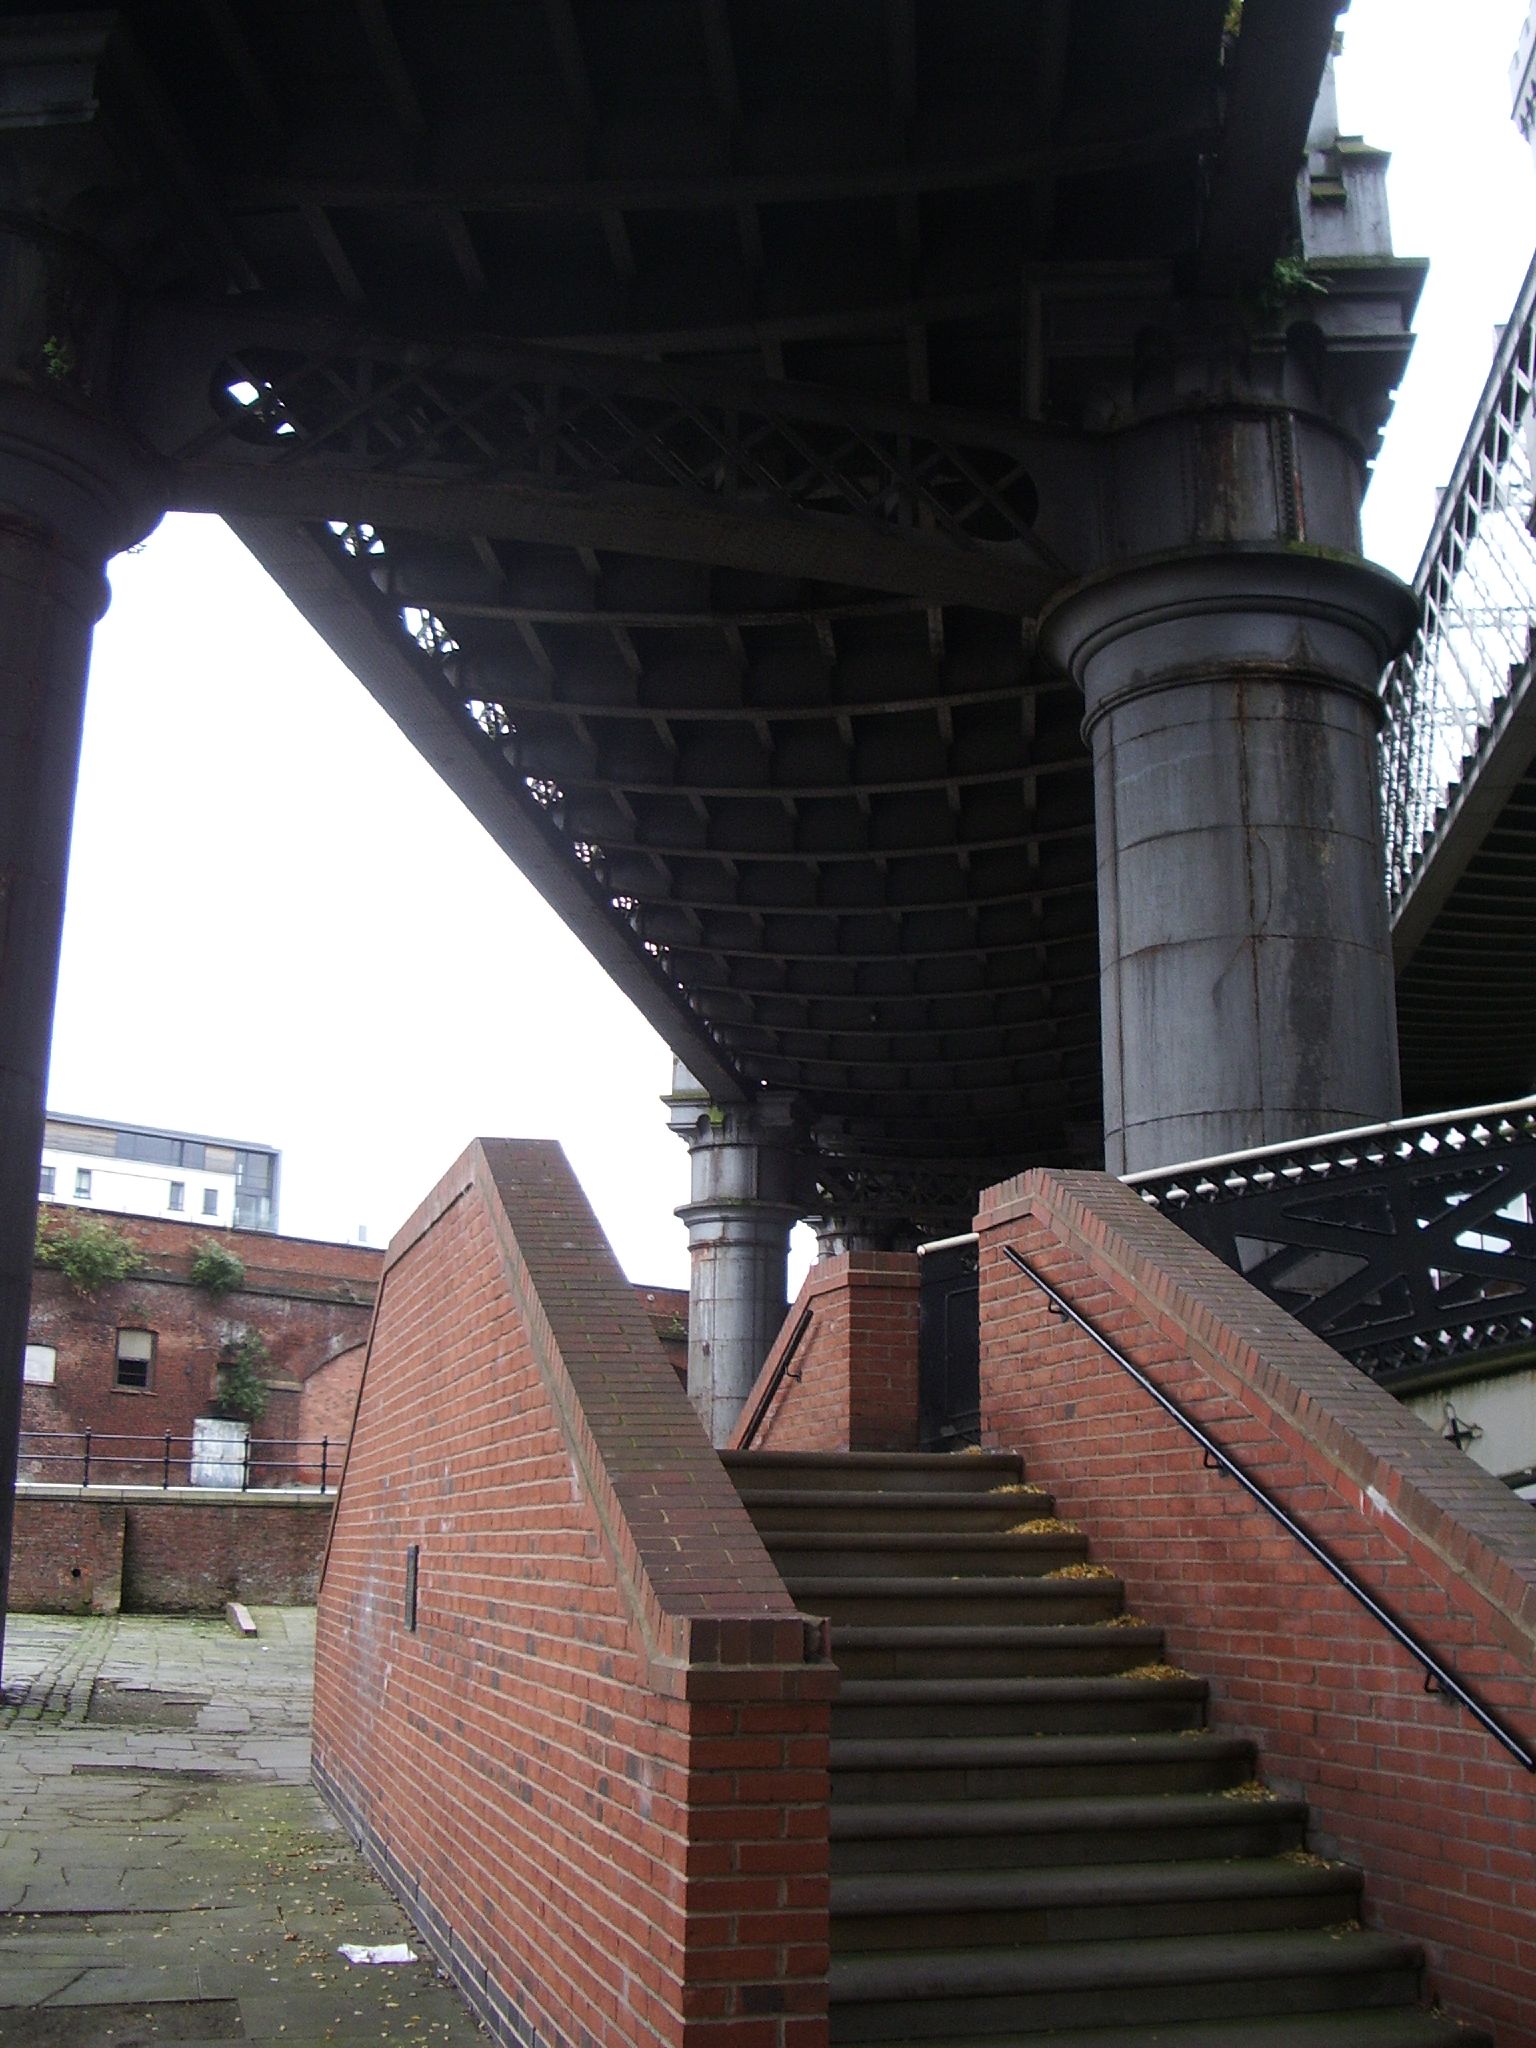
138	1357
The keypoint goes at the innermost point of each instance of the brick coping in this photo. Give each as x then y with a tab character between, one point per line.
182	1496
662	1498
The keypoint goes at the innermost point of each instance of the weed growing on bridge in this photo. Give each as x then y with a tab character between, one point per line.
90	1254
216	1269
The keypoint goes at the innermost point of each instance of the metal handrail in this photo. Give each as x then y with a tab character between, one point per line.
1352	1138
90	1446
1435	1673
765	1400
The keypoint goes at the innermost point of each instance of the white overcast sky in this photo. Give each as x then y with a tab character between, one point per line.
282	927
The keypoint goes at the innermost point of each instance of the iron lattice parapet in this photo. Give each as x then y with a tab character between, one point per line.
1403	1245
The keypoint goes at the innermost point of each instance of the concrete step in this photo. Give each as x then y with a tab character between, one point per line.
1389	2027
1038	1767
901	1511
932	1994
934	1708
949	1835
879	1471
957	1602
1088	1902
903	1553
1036	1651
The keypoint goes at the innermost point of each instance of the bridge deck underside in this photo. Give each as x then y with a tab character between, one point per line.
1466	1000
780	752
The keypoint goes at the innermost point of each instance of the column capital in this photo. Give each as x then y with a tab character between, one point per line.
1194	615
76	483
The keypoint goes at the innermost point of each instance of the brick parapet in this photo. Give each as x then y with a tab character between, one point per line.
842	1373
1338	1708
596	1769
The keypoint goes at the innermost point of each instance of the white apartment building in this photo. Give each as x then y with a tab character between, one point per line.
90	1163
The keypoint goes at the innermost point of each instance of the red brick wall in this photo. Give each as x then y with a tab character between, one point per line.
66	1556
1441	1818
329	1397
308	1300
596	1770
191	1556
171	1555
326	1407
851	1379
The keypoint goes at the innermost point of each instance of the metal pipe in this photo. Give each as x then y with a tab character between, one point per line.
1434	1670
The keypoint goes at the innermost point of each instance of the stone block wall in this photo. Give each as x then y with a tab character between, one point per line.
562	1698
1403	1782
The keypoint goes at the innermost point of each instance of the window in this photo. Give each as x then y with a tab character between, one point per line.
45	1180
82	1183
210	1201
37	1364
135	1357
178	1194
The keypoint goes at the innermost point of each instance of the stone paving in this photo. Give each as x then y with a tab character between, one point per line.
167	1873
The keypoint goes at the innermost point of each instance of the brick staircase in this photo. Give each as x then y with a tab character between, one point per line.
1034	1832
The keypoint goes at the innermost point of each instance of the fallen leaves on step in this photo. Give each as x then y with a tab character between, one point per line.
1043	1525
1156	1671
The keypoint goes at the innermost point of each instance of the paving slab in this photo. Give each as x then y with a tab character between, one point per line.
167	1871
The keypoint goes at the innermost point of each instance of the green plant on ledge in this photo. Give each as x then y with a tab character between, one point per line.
91	1254
240	1390
216	1269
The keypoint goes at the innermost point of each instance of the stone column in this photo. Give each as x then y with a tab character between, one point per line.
1246	970
748	1162
72	494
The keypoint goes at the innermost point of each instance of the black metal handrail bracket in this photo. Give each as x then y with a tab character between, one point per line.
1435	1672
781	1372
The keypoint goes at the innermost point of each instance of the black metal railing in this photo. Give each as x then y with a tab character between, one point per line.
1436	1672
781	1373
1402	1245
95	1457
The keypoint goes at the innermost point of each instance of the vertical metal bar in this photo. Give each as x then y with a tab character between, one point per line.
245	1475
324	1448
165	1465
85	1466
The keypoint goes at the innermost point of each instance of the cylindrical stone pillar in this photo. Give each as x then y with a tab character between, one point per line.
747	1172
1245	957
72	495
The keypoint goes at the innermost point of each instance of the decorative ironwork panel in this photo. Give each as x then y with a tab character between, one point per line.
1401	1245
1476	583
576	422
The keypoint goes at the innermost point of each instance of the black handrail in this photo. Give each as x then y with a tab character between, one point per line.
95	1447
765	1399
1435	1673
